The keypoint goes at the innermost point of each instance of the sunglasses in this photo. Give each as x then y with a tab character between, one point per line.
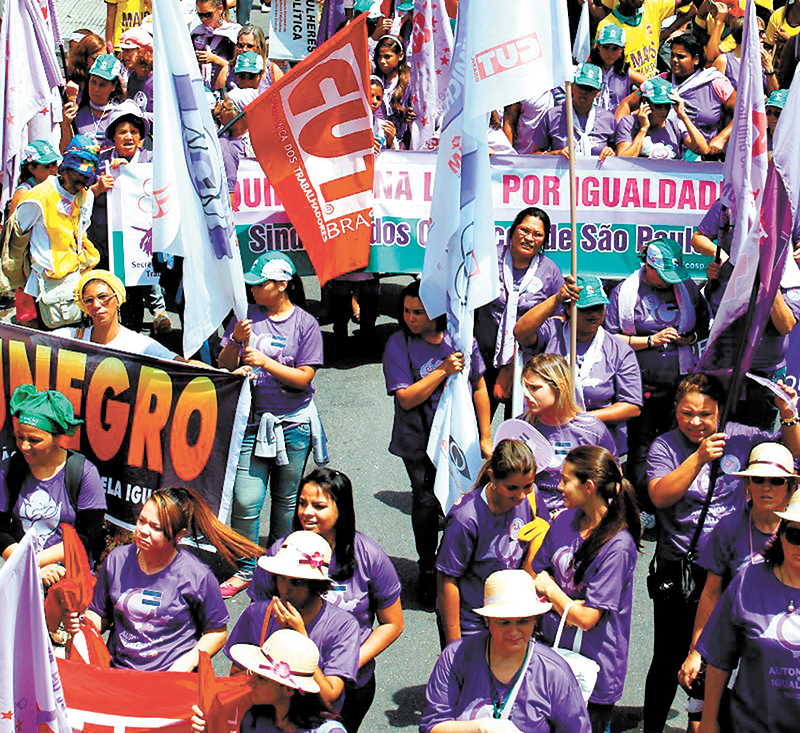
246	75
772	481
206	16
792	535
245	45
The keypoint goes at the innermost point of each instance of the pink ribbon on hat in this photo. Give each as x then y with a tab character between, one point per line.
316	561
280	669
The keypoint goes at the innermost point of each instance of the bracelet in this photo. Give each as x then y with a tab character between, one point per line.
694	337
791	422
236	341
650	341
770	73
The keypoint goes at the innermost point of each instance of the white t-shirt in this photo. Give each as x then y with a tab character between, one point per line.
125	340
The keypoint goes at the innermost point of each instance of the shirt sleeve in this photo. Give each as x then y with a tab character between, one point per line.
661	460
628	377
210	605
541	133
247	630
441	692
27	213
772	27
612	313
458	544
309	350
610	574
101	599
715	556
397	364
384	583
341	654
718	643
477	367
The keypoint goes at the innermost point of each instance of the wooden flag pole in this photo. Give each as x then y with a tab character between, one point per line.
573	226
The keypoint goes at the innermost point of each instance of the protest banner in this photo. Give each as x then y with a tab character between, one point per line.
149	424
292	29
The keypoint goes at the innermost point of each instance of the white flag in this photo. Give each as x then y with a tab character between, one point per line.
192	215
31	697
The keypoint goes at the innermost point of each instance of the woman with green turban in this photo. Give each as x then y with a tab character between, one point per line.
42	484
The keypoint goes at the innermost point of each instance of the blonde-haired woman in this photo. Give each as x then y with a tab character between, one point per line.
552	410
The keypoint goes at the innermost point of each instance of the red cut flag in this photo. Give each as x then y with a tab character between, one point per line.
312	135
74	591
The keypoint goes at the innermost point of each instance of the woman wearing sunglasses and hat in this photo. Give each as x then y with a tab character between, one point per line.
504	681
42	484
740	537
756	625
285	696
301	575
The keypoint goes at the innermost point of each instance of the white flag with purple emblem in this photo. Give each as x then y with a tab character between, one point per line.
192	214
31	697
431	56
745	170
504	51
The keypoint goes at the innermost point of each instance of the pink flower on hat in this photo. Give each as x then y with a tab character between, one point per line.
316	560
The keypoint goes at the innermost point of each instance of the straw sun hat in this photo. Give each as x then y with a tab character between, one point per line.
303	555
769	459
287	657
511	594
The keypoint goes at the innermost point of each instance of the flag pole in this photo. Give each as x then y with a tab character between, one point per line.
573	227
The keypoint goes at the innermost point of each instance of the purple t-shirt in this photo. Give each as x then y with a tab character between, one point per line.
583	429
477	543
549	698
86	123
373	587
615	88
751	626
295	342
408	359
661	143
335	632
678	521
259	719
140	90
156	618
233	150
551	132
704	104
656	309
44	503
613	378
547	282
734	543
607	585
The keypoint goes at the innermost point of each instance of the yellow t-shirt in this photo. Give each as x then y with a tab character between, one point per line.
130	13
642	41
776	23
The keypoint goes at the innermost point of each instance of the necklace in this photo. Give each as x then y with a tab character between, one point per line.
790	607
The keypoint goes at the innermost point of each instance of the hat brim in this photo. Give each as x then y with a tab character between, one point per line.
252	658
673	277
520	608
252	279
277	566
591	302
766	472
789	516
46	159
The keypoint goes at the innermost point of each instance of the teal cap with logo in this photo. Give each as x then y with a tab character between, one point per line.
270	266
589	75
611	35
592	292
107	67
665	256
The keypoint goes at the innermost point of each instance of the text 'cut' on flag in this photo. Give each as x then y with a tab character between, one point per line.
192	214
312	135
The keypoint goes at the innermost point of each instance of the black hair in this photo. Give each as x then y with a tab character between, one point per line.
693	46
773	552
412	291
591	462
135	120
621	66
307	711
508	457
737	30
536	213
704	384
337	487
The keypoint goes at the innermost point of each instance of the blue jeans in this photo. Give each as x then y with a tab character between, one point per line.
250	488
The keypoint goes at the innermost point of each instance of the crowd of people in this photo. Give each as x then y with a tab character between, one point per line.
530	572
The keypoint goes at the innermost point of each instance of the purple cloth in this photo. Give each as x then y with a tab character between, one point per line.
615	88
734	543
662	143
233	150
44	503
733	67
607	585
704	105
373	587
583	429
295	342
548	281
477	543
335	632
86	123
259	719
751	626
770	353
459	689
551	132
615	378
408	359
656	309
156	618
140	90
678	521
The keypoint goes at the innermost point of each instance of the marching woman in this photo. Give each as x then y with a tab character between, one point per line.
365	582
552	410
42	484
162	604
608	53
280	344
585	569
214	42
481	536
503	681
418	360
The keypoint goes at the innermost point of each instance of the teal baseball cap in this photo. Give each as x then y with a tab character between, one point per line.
270	266
665	256
405	5
611	35
41	152
107	67
656	90
777	98
249	62
589	75
592	292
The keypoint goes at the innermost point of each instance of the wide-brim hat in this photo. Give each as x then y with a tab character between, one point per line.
511	594
516	429
664	255
128	109
792	512
770	460
287	657
303	555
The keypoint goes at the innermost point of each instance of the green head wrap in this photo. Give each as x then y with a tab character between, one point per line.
48	410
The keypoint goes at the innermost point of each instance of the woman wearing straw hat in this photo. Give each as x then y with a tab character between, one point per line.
585	569
503	681
740	537
43	484
756	625
285	695
301	575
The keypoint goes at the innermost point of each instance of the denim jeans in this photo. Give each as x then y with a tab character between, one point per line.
250	488
425	509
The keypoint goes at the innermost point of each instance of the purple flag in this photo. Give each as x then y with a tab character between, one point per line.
431	55
331	18
31	697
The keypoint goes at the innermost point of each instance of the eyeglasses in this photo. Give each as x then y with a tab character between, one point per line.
103	299
206	16
773	481
792	535
245	45
525	232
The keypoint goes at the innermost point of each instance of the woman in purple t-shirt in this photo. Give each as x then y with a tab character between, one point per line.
280	345
585	569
